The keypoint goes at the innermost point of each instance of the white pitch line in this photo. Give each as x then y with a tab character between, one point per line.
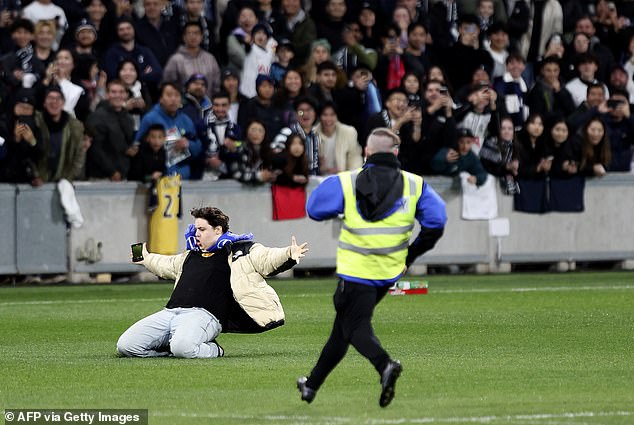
436	290
97	300
432	290
532	289
506	419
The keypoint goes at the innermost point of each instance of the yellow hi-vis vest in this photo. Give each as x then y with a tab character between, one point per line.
376	250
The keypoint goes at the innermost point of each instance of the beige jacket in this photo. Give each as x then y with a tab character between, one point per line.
348	154
250	263
552	23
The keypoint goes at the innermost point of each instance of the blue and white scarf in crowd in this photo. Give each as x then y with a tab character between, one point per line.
223	240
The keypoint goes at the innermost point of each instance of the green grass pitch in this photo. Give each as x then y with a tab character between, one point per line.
544	349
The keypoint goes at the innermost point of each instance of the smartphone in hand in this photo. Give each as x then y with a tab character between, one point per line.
613	103
137	252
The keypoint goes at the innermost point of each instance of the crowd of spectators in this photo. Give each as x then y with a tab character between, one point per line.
210	89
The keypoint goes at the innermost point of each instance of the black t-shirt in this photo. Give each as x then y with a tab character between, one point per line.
204	282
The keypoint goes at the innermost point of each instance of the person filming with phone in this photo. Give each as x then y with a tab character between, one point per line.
466	55
22	143
620	129
219	287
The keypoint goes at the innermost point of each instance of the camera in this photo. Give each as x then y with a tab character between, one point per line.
444	90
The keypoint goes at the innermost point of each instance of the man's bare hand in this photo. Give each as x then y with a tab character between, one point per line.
298	251
452	155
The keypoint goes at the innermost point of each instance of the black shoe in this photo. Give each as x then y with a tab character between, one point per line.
388	381
221	351
307	393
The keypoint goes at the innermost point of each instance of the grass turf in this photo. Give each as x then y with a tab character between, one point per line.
514	349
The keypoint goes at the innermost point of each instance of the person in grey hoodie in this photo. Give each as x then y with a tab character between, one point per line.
191	58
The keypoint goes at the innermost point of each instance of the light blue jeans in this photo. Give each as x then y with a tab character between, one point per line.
185	332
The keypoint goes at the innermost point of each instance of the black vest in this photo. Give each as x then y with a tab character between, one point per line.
205	283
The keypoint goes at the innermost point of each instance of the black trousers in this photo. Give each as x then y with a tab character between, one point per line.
354	304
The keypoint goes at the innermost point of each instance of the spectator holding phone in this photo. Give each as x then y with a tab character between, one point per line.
437	101
357	100
620	129
477	114
555	46
431	127
609	23
395	115
23	143
390	68
466	55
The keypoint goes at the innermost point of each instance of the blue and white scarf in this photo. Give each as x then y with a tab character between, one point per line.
223	240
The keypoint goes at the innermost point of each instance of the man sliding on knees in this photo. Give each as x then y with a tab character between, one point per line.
219	287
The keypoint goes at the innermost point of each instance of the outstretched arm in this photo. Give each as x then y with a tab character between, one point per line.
165	266
271	261
297	252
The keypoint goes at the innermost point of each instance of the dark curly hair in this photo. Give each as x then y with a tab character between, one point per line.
213	215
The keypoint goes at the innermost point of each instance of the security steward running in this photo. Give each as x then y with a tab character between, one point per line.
380	204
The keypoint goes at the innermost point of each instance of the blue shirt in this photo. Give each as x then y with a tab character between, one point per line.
327	201
179	122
